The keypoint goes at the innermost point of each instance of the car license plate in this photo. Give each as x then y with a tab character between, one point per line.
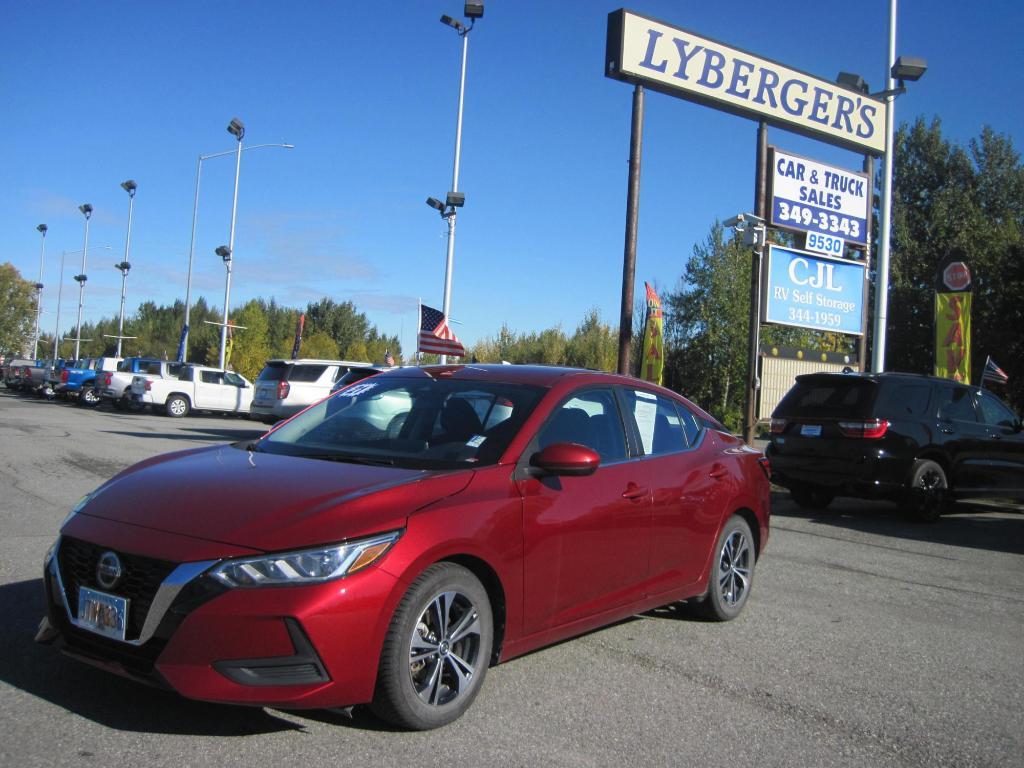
101	613
810	430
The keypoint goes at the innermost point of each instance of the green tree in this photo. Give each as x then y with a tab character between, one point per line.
250	347
968	203
17	312
594	344
319	346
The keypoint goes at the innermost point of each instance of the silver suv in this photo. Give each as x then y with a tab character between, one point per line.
285	387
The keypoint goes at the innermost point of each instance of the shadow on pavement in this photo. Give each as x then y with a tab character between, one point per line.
978	525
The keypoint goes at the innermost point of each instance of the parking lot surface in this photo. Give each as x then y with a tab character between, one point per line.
868	641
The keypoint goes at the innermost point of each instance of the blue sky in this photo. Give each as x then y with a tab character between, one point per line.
92	94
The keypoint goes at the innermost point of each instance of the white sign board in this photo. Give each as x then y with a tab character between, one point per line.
813	197
687	65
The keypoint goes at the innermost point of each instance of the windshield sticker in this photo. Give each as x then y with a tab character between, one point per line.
357	389
475	441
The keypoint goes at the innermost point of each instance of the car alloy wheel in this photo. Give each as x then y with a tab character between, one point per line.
928	492
88	397
437	649
177	407
731	574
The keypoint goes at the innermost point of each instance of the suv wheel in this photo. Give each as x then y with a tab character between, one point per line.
927	492
811	498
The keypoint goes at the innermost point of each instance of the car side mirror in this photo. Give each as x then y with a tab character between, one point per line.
570	459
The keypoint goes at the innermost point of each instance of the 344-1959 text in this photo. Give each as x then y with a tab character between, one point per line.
817	317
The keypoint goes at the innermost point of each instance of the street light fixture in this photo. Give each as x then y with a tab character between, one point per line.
86	210
236	129
903	68
130	187
473	10
42	229
192	241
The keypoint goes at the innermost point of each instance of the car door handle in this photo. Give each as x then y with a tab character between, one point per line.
946	430
718	472
634	492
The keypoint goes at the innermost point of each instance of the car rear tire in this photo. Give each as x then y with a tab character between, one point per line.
436	651
927	491
177	406
731	574
88	397
811	498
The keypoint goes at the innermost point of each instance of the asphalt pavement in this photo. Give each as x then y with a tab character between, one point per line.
868	640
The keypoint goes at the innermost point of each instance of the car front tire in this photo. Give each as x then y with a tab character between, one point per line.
436	651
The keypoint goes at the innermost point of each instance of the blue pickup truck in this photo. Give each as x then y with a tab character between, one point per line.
79	381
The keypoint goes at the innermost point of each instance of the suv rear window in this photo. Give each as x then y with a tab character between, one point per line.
306	372
831	397
273	372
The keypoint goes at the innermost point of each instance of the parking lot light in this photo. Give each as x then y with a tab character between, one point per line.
86	210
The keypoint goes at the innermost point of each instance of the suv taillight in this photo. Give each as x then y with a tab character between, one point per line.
63	377
106	380
871	430
149	385
283	388
778	426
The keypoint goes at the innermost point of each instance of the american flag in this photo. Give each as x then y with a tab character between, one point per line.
993	372
435	335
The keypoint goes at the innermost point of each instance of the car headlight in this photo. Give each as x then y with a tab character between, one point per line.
307	566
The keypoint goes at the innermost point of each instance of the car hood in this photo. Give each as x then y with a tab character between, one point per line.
265	501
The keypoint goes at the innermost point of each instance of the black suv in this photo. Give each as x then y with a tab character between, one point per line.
917	440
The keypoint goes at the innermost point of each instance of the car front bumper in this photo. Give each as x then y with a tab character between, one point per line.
305	646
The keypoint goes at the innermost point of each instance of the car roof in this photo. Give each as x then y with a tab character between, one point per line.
872	377
537	375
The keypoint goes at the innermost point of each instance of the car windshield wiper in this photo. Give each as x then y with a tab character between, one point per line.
379	461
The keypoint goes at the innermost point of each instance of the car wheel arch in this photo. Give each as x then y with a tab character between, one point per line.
939	458
475	564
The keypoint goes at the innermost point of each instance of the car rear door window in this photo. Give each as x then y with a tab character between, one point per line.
956	404
907	400
658	424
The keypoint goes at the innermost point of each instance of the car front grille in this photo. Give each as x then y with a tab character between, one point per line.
141	580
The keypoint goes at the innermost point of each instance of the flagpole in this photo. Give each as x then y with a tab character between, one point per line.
419	326
983	372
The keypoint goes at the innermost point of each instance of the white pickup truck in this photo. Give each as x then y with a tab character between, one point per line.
196	388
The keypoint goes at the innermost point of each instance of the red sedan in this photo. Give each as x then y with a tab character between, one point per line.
392	541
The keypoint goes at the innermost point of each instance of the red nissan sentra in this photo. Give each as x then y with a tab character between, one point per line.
392	541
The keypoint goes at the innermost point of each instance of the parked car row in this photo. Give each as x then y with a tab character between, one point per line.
283	388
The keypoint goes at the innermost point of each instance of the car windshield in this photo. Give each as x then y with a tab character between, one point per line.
413	423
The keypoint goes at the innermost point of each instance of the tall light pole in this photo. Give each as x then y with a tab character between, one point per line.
900	69
86	210
236	129
128	186
60	293
39	289
472	10
192	242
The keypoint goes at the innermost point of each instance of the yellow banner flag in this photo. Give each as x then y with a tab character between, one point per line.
652	364
953	336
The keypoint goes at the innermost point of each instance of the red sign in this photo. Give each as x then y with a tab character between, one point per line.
956	276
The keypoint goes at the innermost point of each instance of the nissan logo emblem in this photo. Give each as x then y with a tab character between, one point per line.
109	570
